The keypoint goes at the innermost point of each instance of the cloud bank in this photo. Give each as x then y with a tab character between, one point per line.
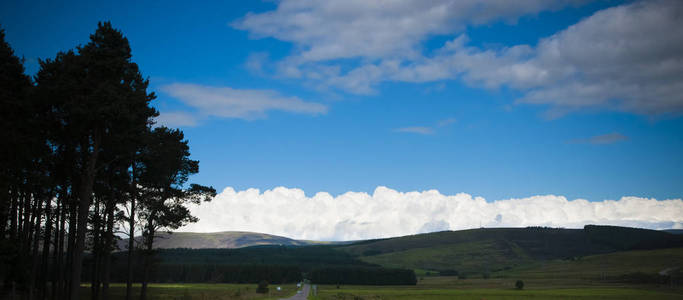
627	57
386	213
226	102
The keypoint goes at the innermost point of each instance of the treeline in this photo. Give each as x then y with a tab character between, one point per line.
536	242
362	276
626	238
80	161
307	257
213	273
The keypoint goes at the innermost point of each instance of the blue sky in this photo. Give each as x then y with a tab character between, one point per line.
412	98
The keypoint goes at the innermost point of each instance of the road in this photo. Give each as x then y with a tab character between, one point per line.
300	296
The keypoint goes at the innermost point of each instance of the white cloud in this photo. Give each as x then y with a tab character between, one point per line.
176	119
226	102
337	29
386	213
627	57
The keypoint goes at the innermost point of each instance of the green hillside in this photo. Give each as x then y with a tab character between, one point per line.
602	266
225	239
487	250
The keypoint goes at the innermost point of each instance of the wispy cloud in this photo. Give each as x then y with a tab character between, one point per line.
226	102
177	119
446	122
604	61
387	212
603	139
426	130
416	129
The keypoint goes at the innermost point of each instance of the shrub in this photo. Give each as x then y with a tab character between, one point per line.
262	287
519	285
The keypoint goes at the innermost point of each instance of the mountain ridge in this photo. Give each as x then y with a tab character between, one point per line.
219	240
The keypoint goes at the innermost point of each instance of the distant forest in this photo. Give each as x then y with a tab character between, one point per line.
275	264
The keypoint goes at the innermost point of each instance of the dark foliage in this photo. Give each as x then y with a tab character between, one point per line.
625	238
262	287
519	285
305	257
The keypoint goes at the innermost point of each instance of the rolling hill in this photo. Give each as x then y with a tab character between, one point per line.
601	253
487	250
225	239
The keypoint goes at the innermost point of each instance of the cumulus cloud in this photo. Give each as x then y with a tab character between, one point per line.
226	102
386	213
628	57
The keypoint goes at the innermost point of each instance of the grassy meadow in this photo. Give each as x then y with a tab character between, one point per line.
197	291
491	289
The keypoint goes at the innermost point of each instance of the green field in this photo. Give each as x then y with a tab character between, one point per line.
499	288
588	277
366	292
203	291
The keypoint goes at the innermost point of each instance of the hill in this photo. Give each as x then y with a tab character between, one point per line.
225	239
602	266
487	250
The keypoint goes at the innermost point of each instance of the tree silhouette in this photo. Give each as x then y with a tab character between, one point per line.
75	151
167	168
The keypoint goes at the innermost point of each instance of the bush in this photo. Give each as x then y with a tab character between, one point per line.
519	285
262	287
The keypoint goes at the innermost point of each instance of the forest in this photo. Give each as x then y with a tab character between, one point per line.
82	164
275	264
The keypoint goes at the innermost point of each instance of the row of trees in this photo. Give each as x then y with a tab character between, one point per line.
213	273
81	161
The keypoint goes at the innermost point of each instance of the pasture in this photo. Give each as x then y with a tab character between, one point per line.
197	291
437	288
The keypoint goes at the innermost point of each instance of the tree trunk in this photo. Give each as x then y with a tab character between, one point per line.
4	207
85	199
46	250
13	215
71	242
131	236
148	262
109	244
35	237
96	252
59	244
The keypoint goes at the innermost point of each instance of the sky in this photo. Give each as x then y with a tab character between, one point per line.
349	119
